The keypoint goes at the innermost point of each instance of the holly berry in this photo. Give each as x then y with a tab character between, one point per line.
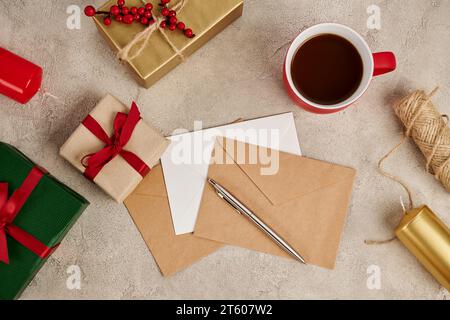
165	12
144	20
189	33
125	11
114	10
164	2
149	7
173	20
141	11
128	19
172	27
133	10
148	14
181	26
119	18
107	21
163	24
172	13
120	3
89	11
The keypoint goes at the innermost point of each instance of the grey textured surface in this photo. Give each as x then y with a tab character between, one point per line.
238	74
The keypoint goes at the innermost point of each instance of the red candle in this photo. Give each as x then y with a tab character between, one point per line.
20	79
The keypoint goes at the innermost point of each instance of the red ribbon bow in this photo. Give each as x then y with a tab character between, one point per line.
124	125
10	208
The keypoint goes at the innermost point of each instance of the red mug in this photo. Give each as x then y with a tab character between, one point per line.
375	64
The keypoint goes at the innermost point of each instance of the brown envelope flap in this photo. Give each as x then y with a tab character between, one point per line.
273	172
149	209
153	184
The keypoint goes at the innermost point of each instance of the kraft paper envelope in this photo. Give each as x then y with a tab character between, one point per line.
149	207
306	203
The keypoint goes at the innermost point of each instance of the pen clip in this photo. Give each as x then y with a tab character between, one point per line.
229	202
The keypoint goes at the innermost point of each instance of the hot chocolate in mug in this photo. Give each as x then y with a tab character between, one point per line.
330	66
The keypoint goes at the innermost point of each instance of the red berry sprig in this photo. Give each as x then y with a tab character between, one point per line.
122	13
143	15
172	22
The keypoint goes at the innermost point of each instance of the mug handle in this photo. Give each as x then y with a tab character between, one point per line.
384	62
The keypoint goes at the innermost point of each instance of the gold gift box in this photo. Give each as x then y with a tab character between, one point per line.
117	178
205	17
428	238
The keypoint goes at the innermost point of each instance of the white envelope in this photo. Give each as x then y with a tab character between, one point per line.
186	161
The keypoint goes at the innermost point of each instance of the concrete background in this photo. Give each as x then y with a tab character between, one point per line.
238	74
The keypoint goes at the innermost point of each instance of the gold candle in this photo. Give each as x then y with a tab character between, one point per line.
428	238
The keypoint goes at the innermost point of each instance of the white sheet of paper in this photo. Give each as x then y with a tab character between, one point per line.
186	161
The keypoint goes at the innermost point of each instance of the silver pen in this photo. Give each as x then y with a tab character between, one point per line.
242	209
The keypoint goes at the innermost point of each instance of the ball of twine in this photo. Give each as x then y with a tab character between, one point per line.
429	130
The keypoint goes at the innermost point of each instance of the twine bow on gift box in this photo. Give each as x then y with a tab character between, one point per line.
141	39
10	208
124	125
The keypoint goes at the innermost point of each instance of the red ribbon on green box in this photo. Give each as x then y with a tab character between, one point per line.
10	208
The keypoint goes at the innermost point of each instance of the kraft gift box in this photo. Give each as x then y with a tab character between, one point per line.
117	177
46	214
205	18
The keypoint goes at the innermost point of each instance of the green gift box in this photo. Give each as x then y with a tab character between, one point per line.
46	214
